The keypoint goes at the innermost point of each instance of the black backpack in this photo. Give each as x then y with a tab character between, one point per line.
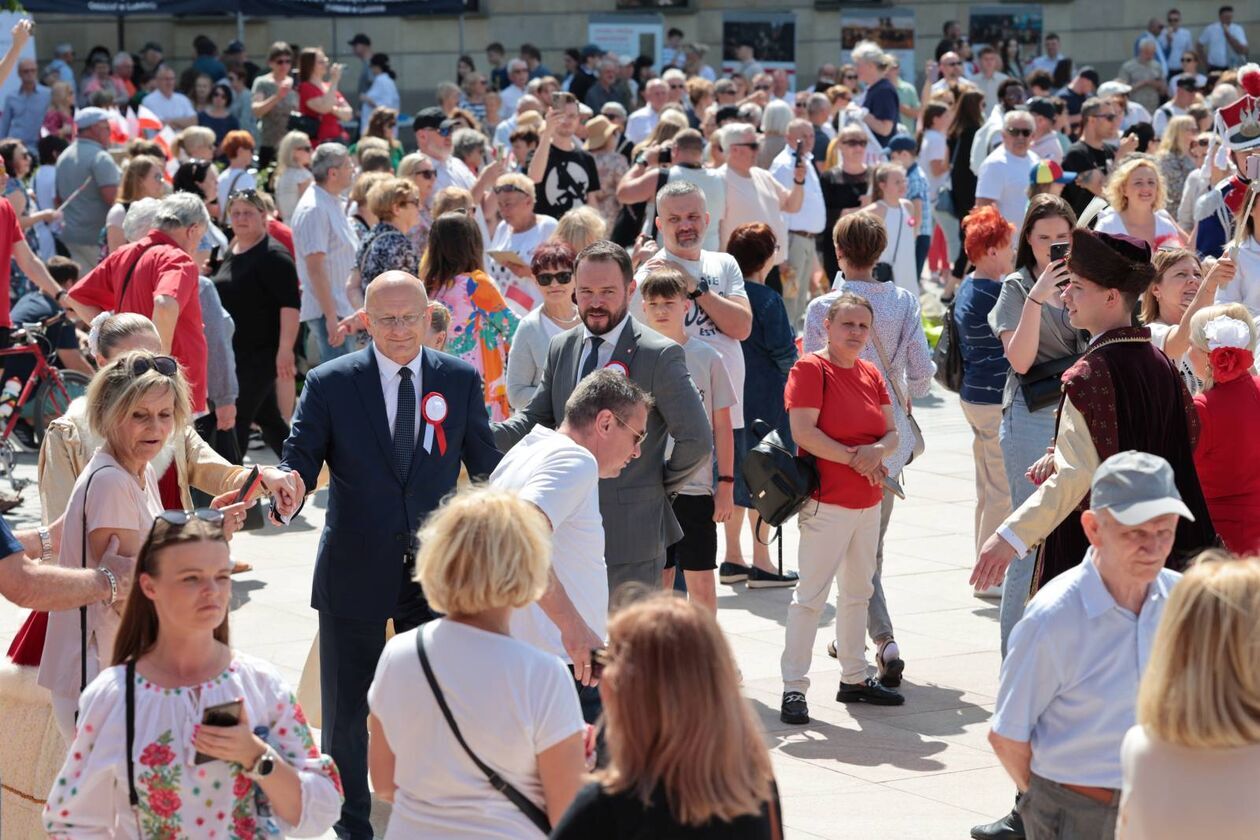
948	353
779	482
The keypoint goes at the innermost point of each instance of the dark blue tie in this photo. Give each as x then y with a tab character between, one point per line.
405	424
592	359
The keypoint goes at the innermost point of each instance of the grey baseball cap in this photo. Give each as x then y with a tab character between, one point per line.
1136	487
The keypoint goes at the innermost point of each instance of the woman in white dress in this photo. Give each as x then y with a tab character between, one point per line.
1137	194
888	201
147	761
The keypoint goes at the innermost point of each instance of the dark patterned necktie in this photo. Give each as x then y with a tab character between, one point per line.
405	424
592	359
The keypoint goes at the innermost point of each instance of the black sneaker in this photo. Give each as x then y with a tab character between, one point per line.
794	709
759	579
732	573
888	671
869	691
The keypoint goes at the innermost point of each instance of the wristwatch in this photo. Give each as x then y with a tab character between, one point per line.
264	766
702	288
45	544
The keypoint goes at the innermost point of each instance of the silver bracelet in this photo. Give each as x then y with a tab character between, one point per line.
113	586
45	544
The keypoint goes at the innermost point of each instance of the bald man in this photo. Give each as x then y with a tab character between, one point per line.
393	422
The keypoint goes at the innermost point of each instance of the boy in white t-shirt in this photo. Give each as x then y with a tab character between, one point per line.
697	506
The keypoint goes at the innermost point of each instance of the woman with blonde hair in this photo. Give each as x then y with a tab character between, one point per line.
889	203
395	202
1227	459
362	219
193	143
419	169
1175	162
519	232
580	227
1137	194
292	175
141	178
1179	291
483	555
686	753
146	760
1191	762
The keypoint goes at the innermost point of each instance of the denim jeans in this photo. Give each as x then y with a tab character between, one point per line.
1024	437
878	622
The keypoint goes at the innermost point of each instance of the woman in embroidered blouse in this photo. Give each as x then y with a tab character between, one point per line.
482	326
266	776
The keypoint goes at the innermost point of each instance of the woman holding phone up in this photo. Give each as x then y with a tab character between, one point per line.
184	736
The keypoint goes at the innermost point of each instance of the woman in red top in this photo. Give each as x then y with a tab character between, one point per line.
320	99
1227	457
839	411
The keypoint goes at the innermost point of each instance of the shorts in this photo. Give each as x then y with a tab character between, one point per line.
697	550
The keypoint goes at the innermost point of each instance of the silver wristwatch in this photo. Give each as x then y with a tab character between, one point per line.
45	544
264	766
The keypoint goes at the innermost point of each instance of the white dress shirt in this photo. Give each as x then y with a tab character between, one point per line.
390	381
610	339
812	217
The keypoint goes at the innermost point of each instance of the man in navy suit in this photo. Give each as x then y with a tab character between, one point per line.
393	422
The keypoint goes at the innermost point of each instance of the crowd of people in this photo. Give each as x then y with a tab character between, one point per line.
534	355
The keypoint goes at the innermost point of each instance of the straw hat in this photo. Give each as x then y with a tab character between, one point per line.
599	130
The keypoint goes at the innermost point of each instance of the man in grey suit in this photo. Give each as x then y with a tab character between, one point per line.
638	520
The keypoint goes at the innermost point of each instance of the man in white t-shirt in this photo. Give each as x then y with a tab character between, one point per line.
169	105
558	471
641	122
805	224
1223	45
720	314
752	193
1003	177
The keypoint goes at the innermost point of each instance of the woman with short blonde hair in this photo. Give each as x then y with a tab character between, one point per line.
292	174
396	204
1198	711
520	231
1138	195
483	554
686	753
580	227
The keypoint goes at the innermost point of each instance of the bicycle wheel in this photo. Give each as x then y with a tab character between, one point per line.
51	402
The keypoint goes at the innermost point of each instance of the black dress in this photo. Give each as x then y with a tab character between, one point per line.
841	191
962	186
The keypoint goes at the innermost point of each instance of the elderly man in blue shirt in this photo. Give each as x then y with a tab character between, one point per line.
1069	683
24	109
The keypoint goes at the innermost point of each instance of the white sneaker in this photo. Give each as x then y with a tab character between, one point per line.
993	593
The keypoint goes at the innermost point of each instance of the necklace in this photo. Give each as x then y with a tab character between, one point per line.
565	322
1119	340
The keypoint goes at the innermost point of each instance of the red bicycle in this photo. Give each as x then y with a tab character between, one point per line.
46	394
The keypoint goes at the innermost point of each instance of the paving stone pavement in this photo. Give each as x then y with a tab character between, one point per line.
921	771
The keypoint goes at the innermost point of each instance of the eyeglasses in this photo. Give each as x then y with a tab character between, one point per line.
1189	60
180	518
1202	141
639	437
849	76
1107	117
164	365
762	87
445	132
426	174
677	87
950	63
284	61
1019	132
251	195
853	143
391	321
412	202
560	278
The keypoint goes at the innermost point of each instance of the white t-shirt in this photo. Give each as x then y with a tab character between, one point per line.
757	198
640	123
716	392
1003	178
521	295
561	478
713	185
176	107
510	701
1216	47
722	274
1110	221
934	148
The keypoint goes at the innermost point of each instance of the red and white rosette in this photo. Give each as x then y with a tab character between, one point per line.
618	367
434	411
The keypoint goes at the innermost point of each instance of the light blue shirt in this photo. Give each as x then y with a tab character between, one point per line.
1070	679
23	115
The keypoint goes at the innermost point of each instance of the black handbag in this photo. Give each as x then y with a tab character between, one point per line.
303	123
780	482
948	353
1042	384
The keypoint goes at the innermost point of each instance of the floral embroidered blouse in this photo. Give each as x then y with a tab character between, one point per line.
179	798
481	331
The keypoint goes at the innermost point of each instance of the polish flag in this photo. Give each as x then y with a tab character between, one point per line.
148	121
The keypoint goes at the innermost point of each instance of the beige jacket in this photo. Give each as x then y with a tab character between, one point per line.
69	444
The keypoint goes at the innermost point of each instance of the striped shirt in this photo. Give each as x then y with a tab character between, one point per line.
320	226
984	361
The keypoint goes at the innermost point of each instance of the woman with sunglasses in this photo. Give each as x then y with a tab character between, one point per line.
273	100
395	202
217	115
482	324
146	762
318	96
135	404
1174	157
552	266
418	168
520	231
292	174
1199	181
845	190
687	757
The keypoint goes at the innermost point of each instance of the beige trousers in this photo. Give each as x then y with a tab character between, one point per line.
87	256
993	494
836	543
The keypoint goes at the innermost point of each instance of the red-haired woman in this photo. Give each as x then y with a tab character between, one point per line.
238	149
987	241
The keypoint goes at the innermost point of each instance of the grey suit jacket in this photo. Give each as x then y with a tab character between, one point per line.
638	520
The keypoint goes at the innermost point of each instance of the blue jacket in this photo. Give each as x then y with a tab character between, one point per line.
372	519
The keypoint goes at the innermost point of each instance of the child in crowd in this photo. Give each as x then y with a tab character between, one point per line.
902	150
439	325
698	506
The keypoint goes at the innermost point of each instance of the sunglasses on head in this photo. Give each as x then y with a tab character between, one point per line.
164	365
500	189
251	195
180	518
560	278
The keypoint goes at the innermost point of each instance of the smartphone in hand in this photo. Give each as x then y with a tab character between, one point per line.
252	482
223	714
1059	251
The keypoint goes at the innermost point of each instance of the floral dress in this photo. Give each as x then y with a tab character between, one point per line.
385	248
177	797
481	332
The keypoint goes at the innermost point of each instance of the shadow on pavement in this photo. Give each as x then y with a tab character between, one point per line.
767	603
240	592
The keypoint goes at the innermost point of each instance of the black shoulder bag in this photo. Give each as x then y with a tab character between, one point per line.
948	353
779	481
520	800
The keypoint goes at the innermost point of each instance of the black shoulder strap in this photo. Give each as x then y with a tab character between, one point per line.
520	800
131	733
122	291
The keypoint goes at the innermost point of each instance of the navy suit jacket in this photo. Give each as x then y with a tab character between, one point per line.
373	516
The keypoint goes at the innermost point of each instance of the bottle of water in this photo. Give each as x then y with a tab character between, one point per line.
9	397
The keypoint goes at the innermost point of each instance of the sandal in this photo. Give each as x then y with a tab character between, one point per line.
240	568
888	672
